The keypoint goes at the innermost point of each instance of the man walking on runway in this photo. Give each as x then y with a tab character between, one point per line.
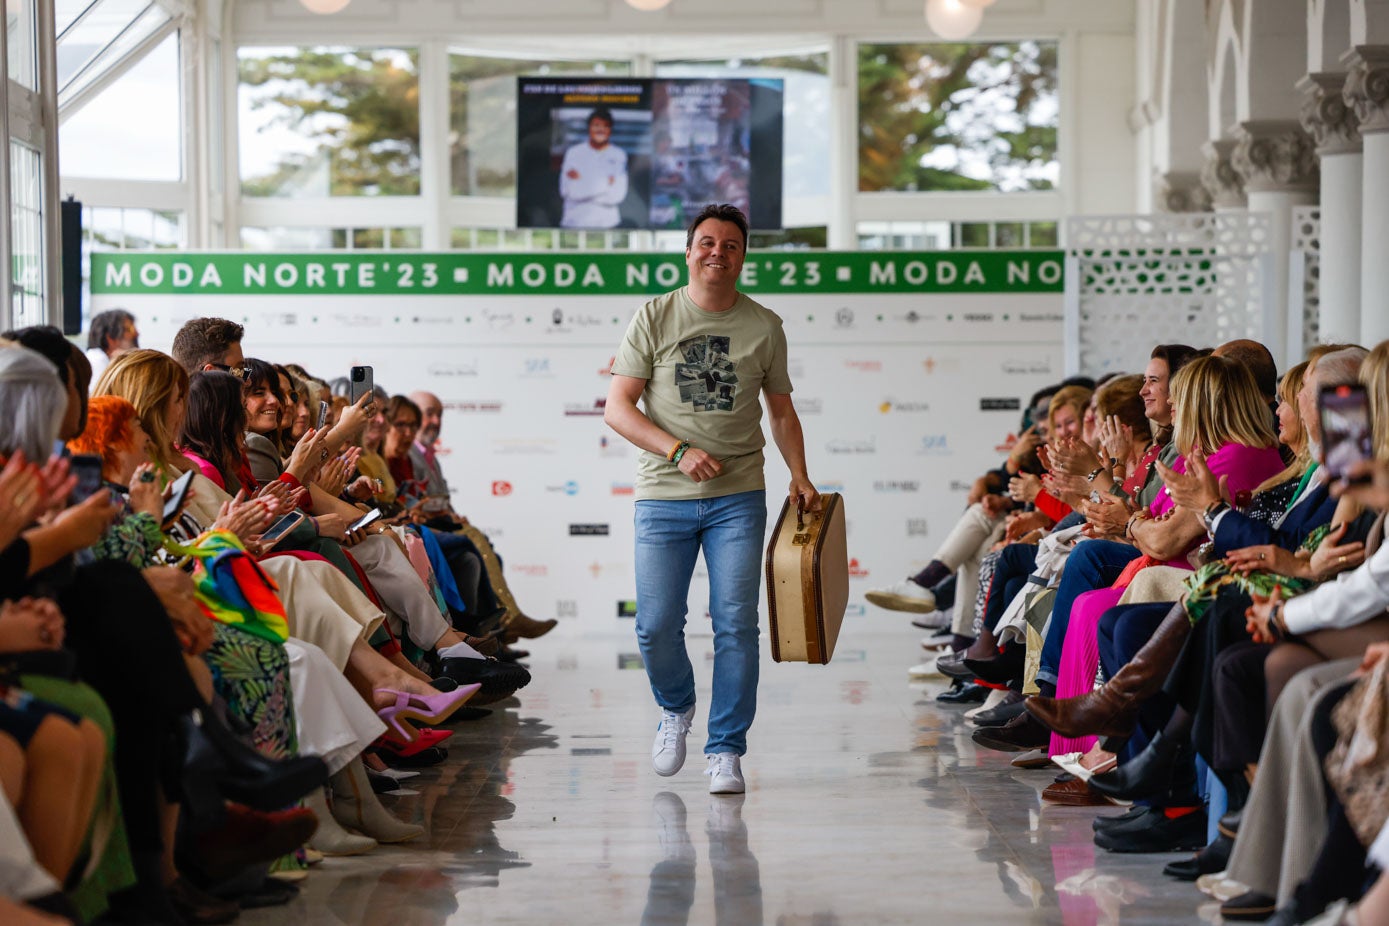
699	359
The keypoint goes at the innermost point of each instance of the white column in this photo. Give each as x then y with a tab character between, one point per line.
435	170
1367	92
1279	166
844	135
1333	125
1224	186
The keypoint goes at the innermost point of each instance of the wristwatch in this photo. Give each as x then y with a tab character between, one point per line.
1210	514
1093	473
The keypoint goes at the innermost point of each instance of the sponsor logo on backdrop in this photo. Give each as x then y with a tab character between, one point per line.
588	530
580	410
856	610
823	487
892	405
561	323
627	607
611	447
913	316
501	487
844	318
1040	367
916	527
431	319
893	486
456	369
624	488
977	316
957	485
598	569
1008	444
935	365
536	368
357	320
569	488
864	366
566	607
810	407
934	445
498	320
524	446
534	570
844	447
1000	405
1041	317
467	407
856	571
280	319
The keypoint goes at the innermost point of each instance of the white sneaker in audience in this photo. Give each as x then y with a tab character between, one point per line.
668	751
725	774
994	699
936	620
903	596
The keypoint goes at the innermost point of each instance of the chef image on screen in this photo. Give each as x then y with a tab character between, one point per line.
593	177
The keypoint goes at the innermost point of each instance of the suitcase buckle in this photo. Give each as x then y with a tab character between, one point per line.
800	540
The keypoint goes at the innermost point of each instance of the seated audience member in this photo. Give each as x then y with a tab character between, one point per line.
112	332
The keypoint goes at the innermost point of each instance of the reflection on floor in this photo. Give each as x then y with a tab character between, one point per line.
866	803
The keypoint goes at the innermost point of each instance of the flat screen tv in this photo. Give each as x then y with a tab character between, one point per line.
632	153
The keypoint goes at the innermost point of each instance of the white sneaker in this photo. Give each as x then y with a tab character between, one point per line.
725	774
926	669
903	596
668	751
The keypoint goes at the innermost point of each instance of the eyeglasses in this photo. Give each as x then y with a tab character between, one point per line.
406	425
241	373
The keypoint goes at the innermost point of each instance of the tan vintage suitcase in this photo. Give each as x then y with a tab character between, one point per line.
808	580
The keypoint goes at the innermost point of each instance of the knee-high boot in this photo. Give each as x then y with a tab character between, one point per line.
1112	710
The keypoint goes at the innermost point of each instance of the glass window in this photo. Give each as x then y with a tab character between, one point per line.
321	239
329	122
538	239
805	111
789	239
22	38
958	117
98	141
94	35
482	115
26	235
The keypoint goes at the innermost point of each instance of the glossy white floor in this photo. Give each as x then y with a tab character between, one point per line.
867	803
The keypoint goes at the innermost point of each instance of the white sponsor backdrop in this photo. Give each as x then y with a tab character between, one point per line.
889	386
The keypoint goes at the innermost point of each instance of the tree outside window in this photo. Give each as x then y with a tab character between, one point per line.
948	117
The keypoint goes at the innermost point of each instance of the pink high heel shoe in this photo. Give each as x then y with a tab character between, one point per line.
425	708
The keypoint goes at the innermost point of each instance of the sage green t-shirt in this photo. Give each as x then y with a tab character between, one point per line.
704	372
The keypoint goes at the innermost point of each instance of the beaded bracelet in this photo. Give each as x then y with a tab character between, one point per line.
680	452
679	446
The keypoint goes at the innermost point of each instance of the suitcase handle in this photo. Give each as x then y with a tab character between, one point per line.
800	513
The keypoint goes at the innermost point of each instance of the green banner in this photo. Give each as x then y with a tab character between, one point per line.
397	273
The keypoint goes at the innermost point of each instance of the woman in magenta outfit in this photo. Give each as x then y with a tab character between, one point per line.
1215	404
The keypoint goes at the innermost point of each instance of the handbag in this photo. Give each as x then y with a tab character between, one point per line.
1358	766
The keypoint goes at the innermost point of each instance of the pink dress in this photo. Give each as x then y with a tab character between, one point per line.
1246	468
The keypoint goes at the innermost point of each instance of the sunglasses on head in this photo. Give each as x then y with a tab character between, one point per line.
241	373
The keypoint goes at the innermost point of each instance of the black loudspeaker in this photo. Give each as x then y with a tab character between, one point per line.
71	218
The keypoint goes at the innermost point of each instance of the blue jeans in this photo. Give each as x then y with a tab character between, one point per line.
670	536
1092	564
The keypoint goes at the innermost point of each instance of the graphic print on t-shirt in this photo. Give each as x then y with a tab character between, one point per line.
706	378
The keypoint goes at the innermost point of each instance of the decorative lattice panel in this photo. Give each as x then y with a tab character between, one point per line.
1307	248
1192	278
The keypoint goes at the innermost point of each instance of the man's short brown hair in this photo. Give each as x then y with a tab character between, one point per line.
724	212
205	340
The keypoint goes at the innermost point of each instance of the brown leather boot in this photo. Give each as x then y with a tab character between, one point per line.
1113	709
528	627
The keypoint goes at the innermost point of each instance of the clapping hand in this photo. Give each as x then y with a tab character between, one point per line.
1196	489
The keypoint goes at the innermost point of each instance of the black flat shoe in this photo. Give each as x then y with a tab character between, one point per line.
1020	734
1130	817
218	767
1249	906
1214	857
998	716
1160	834
952	665
1229	823
498	679
961	693
1000	670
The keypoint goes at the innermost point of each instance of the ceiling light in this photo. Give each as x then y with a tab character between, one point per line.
951	19
978	3
324	7
647	6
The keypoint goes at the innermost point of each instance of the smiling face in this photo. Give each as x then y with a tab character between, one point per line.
1065	423
600	132
1156	398
715	256
1289	424
262	409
